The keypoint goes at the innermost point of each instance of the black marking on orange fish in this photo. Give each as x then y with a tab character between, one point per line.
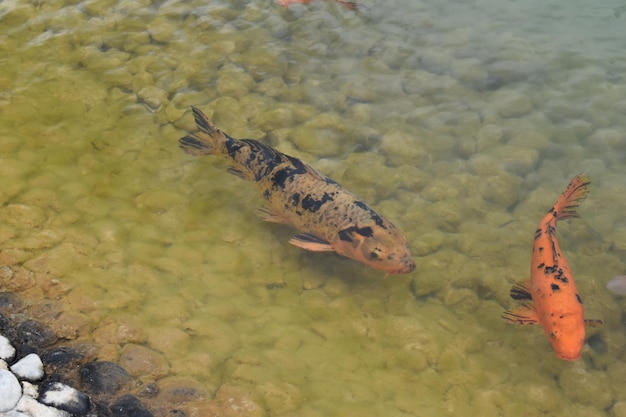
549	269
346	234
537	234
371	212
560	275
541	265
555	287
580	300
311	204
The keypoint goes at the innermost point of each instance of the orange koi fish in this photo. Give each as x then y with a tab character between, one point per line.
329	217
347	4
556	304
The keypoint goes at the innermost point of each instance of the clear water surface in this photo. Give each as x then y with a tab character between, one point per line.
460	121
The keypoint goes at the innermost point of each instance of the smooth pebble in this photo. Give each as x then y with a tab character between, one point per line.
29	367
10	389
6	349
618	285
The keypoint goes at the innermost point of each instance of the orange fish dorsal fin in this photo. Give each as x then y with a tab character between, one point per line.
309	242
576	191
522	314
593	322
519	291
269	216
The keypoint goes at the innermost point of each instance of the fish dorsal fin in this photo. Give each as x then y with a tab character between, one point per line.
267	151
520	292
593	322
278	157
310	242
522	314
269	216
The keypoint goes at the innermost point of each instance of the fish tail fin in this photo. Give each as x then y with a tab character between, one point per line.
575	192
206	140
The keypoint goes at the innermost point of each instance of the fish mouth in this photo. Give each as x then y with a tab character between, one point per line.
406	268
567	357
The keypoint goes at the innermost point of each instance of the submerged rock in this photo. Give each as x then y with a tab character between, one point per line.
129	406
104	377
35	334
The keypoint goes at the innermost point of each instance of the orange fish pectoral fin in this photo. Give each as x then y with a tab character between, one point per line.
310	242
593	322
519	291
269	216
522	314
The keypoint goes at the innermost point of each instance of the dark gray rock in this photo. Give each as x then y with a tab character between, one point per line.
35	335
129	406
60	356
102	377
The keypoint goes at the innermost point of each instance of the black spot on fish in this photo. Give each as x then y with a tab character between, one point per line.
555	287
377	219
550	229
537	234
234	147
549	269
560	275
295	198
311	204
580	300
280	177
541	265
540	249
346	234
267	194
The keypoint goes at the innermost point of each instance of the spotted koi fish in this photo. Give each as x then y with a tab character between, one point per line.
347	4
550	297
328	217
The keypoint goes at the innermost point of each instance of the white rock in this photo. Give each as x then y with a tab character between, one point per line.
10	389
3	365
31	407
29	367
6	349
30	390
65	398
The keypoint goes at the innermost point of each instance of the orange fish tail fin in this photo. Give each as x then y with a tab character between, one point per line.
575	192
206	140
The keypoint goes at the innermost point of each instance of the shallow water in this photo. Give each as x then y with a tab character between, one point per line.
461	122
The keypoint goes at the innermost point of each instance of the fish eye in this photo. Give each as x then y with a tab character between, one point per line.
375	254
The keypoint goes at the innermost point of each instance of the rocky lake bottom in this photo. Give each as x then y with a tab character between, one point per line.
462	123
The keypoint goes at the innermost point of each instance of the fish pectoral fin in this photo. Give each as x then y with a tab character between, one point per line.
310	242
520	292
239	173
269	216
593	322
522	314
